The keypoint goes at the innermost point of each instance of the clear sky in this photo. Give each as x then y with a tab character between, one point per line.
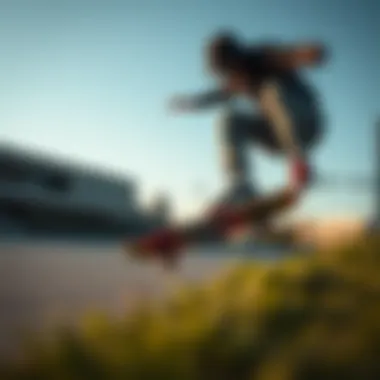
91	79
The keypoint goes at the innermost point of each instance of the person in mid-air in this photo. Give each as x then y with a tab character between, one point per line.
289	121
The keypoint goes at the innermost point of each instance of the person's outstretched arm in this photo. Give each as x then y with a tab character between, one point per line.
200	101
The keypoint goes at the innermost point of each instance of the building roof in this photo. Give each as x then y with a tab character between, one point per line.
49	161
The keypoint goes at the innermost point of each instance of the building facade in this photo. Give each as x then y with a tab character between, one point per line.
42	195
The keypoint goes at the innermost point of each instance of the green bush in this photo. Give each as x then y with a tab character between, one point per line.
309	318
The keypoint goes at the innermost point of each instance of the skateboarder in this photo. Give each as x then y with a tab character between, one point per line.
289	121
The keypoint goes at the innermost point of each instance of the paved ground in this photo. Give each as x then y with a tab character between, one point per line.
47	284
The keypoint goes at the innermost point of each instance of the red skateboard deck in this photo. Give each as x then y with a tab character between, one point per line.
167	244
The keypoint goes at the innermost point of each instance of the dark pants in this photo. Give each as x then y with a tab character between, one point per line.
239	130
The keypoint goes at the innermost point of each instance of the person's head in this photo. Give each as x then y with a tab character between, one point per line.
224	52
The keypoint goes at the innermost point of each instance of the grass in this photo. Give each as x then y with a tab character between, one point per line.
304	318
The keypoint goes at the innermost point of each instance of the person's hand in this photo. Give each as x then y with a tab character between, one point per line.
179	104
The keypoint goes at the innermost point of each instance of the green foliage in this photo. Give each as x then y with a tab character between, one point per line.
303	318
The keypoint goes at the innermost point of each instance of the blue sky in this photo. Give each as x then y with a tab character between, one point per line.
90	80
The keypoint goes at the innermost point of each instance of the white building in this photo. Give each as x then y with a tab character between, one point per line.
40	193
